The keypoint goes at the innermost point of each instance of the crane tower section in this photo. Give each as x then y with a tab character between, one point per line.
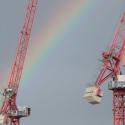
111	60
10	113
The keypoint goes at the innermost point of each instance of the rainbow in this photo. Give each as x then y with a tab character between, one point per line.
50	36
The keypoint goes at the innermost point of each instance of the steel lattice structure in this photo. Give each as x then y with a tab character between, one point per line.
9	112
111	64
111	68
119	107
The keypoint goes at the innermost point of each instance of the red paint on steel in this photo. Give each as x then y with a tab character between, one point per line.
10	104
119	107
111	60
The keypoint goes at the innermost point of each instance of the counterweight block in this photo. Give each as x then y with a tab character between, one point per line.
93	95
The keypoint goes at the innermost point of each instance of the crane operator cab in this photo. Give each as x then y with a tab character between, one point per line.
117	84
93	95
21	112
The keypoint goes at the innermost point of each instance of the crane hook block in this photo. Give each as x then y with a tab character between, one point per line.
93	95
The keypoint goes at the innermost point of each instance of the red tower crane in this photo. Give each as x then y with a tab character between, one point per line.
111	60
10	113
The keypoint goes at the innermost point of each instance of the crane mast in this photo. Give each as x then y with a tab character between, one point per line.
10	113
111	60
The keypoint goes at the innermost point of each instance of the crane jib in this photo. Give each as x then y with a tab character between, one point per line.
10	113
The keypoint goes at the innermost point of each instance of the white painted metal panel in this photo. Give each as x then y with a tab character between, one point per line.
90	95
121	78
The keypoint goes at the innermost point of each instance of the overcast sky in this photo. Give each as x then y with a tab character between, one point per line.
54	89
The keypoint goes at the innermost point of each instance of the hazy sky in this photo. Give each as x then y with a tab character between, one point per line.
54	88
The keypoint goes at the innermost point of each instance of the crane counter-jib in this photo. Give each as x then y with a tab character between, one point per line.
111	69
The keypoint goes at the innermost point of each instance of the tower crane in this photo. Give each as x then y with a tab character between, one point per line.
111	69
10	113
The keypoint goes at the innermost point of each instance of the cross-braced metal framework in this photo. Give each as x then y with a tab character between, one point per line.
10	113
111	68
119	107
111	60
